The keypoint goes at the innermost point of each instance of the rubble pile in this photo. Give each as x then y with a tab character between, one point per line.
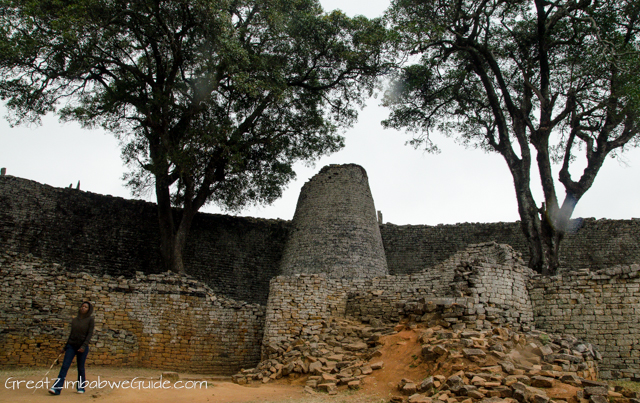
344	353
497	365
502	365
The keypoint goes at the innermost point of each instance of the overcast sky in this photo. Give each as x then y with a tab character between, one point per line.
408	185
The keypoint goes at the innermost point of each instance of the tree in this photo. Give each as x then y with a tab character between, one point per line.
525	79
212	100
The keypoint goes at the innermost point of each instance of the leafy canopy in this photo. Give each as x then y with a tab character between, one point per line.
552	77
478	62
213	100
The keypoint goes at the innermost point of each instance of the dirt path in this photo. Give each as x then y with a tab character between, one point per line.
144	386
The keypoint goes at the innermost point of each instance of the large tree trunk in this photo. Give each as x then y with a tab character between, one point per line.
550	236
543	231
172	237
531	228
538	225
171	260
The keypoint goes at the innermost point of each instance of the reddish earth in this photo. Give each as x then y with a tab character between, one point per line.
401	354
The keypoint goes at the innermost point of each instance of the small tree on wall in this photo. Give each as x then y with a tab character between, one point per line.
534	81
212	100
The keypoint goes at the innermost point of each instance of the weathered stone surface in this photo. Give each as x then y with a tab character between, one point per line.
473	352
409	388
544	350
439	350
139	321
571	379
537	398
596	390
359	346
318	232
476	394
541	382
507	367
598	399
418	398
328	387
454	380
478	288
315	367
426	384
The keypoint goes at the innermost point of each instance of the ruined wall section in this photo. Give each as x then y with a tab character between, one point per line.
335	229
481	287
600	307
297	307
487	282
235	256
497	277
594	244
158	320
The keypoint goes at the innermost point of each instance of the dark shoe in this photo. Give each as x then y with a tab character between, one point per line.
54	392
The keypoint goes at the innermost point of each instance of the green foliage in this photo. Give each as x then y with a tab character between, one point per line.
544	339
213	99
557	78
592	50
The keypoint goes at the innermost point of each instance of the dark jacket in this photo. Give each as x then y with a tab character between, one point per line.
81	329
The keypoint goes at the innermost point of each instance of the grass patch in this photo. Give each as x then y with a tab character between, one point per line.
631	385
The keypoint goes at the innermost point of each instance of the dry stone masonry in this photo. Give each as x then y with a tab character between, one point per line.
235	256
485	286
460	363
593	244
486	281
256	288
158	320
335	230
601	307
336	354
497	364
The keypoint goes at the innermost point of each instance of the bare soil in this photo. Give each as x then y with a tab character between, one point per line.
401	354
213	389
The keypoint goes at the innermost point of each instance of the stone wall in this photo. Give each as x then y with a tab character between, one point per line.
235	256
335	229
478	288
157	320
163	320
296	309
484	286
601	307
595	244
487	281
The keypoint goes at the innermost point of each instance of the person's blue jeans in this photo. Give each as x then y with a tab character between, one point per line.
69	353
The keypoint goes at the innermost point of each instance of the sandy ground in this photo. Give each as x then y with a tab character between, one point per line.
15	388
400	353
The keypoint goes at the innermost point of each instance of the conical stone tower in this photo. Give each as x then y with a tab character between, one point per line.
334	229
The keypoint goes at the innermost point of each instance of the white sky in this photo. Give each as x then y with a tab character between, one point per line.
408	185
